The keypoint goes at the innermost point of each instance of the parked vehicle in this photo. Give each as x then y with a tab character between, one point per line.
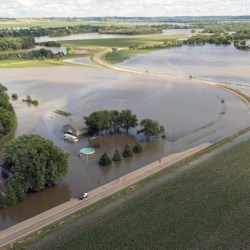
70	137
93	137
83	196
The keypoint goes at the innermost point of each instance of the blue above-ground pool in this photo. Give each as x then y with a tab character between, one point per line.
87	151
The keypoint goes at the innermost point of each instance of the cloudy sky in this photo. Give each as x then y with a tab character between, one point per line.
85	8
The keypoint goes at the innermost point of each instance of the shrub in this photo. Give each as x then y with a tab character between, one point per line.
117	156
137	148
14	96
127	152
105	160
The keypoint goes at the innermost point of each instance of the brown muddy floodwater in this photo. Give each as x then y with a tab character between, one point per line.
192	113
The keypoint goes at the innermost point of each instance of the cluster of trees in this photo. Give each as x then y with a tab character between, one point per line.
50	44
202	39
16	43
38	163
112	121
50	31
29	55
29	100
7	113
128	151
241	45
130	30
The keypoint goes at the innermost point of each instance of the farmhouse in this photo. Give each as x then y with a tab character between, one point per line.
76	128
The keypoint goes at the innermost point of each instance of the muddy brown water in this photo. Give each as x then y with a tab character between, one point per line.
192	113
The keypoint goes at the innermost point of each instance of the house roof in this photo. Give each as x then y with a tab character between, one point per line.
77	125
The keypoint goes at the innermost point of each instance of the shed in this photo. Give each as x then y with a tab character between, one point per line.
76	128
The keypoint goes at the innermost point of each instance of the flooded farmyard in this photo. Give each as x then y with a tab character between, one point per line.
191	113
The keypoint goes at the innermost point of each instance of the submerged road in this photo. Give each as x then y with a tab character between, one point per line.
34	224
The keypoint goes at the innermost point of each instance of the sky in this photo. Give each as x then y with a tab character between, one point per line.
89	8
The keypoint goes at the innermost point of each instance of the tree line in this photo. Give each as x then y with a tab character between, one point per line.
16	43
7	113
37	164
114	121
29	55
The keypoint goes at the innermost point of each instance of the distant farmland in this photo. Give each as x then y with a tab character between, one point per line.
205	208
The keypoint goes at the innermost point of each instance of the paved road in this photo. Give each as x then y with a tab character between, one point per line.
19	231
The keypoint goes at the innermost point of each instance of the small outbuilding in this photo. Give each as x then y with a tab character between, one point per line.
76	128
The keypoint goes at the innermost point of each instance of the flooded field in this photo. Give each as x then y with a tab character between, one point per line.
192	113
218	63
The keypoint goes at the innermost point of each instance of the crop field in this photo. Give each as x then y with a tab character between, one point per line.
34	22
120	42
122	55
207	207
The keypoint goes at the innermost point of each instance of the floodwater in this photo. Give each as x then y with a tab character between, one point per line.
192	113
218	63
100	36
81	60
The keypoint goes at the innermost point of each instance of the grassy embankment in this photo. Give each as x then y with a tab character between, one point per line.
46	231
205	208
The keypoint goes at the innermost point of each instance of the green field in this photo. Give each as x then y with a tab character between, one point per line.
207	207
119	42
122	55
45	23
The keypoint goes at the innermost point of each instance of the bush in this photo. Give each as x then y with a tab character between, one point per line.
116	156
105	160
14	96
127	152
137	148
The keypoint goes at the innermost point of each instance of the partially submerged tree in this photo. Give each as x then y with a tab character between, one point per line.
137	148
117	156
105	160
150	128
37	162
127	119
127	152
98	121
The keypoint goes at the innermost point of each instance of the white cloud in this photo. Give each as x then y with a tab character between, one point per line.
85	8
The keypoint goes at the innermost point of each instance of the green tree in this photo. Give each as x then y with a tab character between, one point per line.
137	148
127	119
98	121
105	160
114	120
150	128
37	162
127	152
117	156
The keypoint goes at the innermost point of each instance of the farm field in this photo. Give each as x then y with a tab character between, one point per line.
120	42
207	207
46	23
